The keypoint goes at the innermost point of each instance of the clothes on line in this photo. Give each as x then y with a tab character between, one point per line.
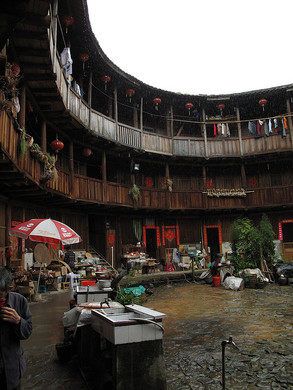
267	127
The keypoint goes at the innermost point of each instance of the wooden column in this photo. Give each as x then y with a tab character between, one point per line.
90	90
168	131
110	107
7	230
204	179
89	96
115	105
141	114
44	136
243	176
204	176
288	104
239	130
71	168
171	122
21	115
135	117
204	130
54	31
104	176
168	194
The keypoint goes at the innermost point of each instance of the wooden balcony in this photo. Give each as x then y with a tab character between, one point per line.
133	137
86	189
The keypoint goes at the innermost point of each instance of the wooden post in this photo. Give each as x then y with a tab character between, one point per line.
290	119
89	97
110	107
141	114
71	168
89	90
243	176
44	136
239	130
171	122
21	115
168	194
7	231
115	105
55	30
168	131
204	176
135	117
104	175
204	130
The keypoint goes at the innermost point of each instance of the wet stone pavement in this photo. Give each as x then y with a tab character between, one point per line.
198	318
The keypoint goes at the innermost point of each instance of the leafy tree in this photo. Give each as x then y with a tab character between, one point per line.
267	237
251	244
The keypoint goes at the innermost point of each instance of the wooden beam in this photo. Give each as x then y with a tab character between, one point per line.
7	230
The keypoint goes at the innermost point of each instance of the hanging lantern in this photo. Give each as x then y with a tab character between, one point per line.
106	79
57	145
262	103
221	107
130	92
157	101
68	21
84	57
188	107
87	152
15	69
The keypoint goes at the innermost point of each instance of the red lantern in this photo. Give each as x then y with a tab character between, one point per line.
157	101
57	145
106	79
221	107
149	183
68	21
15	69
262	103
188	107
84	57
87	152
130	92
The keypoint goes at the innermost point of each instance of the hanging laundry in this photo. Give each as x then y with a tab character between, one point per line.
227	130
284	126
259	127
219	127
266	128
252	127
276	124
270	126
223	129
285	123
66	61
215	130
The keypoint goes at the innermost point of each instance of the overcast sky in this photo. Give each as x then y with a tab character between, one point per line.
198	46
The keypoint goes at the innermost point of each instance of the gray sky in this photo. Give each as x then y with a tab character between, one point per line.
198	46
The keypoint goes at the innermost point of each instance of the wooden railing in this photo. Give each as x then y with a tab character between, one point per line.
94	190
9	140
62	184
179	146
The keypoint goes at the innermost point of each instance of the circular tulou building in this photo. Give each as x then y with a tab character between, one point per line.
122	162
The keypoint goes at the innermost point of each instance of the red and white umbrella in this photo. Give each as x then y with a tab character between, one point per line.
46	230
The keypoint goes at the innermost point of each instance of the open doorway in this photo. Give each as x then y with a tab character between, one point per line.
286	233
151	238
213	239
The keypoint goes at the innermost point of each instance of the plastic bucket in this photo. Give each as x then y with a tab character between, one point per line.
216	281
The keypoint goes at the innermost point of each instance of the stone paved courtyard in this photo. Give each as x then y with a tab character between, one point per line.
198	318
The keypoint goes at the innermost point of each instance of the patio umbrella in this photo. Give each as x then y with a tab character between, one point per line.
46	230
